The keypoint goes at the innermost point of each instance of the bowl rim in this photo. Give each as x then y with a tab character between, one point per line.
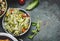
28	26
5	10
8	35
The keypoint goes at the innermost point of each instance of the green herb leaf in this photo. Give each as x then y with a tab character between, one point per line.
33	24
34	31
30	36
38	26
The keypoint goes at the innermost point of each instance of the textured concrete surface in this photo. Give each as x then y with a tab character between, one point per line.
49	13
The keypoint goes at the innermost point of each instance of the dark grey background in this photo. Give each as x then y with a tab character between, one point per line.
48	11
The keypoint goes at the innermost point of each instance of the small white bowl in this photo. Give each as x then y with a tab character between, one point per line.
8	35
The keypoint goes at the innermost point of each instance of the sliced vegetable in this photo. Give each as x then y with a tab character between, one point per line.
23	30
16	33
24	15
32	5
11	11
26	26
7	14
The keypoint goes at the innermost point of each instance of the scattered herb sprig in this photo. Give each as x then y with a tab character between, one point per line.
34	32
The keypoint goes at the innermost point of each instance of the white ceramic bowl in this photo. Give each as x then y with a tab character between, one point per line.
8	35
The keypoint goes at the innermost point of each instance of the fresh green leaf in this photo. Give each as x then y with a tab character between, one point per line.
38	26
33	24
34	31
30	36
